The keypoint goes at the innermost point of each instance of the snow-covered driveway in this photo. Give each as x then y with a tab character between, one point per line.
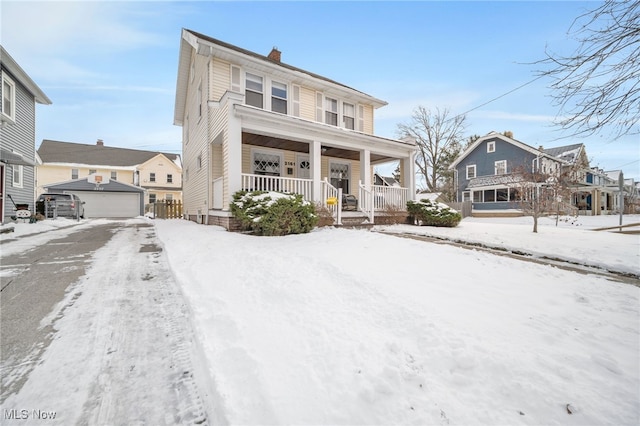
121	350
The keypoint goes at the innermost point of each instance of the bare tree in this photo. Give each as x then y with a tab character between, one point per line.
540	194
438	139
598	85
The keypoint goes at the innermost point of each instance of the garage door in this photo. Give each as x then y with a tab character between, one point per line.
110	204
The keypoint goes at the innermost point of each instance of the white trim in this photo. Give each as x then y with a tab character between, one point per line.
12	98
19	183
475	174
267	151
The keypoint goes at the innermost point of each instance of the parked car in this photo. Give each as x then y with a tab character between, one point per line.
60	205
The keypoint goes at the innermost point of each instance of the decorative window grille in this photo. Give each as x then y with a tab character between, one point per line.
266	164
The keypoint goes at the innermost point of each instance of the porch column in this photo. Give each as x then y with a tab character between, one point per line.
365	168
234	154
408	169
315	154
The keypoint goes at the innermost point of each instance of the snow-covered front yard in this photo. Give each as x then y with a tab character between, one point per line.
355	327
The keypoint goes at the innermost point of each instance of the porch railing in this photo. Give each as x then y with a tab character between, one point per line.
303	187
390	197
366	201
331	192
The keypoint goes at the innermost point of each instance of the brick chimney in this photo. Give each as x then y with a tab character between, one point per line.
275	54
100	142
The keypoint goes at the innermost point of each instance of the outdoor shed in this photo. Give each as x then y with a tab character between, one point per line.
111	198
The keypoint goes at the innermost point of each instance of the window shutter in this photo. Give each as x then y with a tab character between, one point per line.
296	101
361	118
319	109
235	79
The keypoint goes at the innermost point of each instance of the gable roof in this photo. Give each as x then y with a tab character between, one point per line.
17	72
494	135
84	185
568	153
206	45
98	155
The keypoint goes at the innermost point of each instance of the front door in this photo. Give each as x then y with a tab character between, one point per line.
303	167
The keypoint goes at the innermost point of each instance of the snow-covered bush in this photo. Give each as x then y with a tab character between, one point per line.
273	213
430	213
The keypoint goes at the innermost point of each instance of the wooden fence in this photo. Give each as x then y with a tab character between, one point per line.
166	209
464	208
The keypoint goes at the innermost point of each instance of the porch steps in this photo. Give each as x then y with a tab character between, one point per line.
355	222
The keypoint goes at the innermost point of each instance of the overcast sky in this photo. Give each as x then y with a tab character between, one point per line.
110	67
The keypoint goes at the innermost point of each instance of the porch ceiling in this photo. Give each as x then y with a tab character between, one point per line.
291	145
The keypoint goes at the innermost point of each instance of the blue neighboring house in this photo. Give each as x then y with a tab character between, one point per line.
484	174
17	135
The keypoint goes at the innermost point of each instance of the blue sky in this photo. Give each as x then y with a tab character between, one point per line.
110	67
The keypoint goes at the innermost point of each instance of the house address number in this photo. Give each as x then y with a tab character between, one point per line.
289	163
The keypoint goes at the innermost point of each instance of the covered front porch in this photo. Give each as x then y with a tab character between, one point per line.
324	164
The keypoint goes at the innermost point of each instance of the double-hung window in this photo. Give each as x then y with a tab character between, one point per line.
152	177
501	167
114	175
491	146
254	90
331	111
169	178
471	171
74	173
17	176
348	116
8	98
278	97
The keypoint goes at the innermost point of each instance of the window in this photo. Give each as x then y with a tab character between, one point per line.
477	196
114	175
340	176
466	196
279	97
169	178
349	116
471	171
502	194
152	177
17	176
152	198
168	197
8	97
253	90
331	111
491	146
501	167
74	173
489	195
199	162
92	171
266	163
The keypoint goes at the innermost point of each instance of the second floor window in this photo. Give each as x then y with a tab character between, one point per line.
74	173
169	178
501	167
331	111
348	116
279	97
92	171
114	175
8	97
152	177
253	90
471	171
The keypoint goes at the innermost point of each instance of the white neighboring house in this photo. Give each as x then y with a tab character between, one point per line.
253	122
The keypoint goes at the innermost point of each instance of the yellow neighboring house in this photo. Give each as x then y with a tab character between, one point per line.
160	174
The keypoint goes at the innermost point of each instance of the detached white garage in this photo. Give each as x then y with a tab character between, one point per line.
111	199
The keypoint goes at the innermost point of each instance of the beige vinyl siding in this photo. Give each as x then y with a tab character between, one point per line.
52	174
221	77
368	120
307	103
216	161
195	186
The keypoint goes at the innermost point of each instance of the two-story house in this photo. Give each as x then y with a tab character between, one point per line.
158	173
489	173
17	135
254	122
